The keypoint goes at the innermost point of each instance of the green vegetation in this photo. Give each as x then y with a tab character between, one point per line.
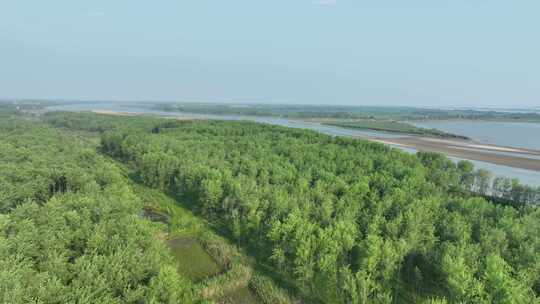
267	291
502	190
261	211
24	106
342	220
394	127
264	110
219	270
69	226
345	112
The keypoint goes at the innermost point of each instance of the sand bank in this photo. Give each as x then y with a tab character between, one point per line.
469	150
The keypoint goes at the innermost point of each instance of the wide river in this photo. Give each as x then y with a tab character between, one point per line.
511	134
524	135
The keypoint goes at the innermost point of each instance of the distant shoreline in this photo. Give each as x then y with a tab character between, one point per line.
469	150
506	120
395	127
113	113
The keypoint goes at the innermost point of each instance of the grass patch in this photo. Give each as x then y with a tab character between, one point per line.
241	296
224	253
223	273
267	291
222	285
180	221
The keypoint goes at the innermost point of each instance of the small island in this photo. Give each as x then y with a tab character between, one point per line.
393	126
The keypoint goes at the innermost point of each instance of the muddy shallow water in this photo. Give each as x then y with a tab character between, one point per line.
192	260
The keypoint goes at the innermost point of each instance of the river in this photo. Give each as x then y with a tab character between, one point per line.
511	134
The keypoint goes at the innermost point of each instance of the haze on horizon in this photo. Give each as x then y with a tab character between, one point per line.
414	53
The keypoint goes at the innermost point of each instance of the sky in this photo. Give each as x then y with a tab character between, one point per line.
415	53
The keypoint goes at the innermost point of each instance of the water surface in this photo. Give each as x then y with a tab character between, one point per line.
511	134
192	260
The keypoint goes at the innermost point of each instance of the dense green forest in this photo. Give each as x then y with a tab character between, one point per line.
69	226
330	219
76	228
340	220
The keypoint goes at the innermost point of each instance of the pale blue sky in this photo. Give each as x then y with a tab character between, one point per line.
417	52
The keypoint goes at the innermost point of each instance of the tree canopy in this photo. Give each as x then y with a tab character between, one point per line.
70	230
338	220
346	220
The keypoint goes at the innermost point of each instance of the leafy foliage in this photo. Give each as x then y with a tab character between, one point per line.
70	230
340	220
344	220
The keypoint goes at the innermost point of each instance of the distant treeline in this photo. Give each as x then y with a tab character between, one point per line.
499	189
346	112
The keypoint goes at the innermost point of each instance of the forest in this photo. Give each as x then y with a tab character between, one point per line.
292	215
76	228
69	225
